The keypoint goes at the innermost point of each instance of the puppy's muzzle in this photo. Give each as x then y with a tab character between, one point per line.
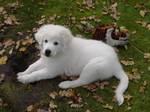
47	52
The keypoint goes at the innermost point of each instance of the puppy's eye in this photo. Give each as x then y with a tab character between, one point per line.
55	43
45	41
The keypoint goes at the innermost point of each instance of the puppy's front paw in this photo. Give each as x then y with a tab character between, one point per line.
65	84
24	79
20	73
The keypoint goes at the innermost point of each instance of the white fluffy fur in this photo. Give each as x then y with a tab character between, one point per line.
91	60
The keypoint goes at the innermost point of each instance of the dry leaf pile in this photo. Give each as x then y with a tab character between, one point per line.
9	46
112	11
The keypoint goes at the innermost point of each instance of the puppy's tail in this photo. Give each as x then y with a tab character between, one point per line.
122	76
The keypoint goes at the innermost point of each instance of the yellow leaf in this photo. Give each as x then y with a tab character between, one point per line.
8	42
27	41
53	95
2	76
107	106
147	55
127	62
142	13
52	105
30	108
22	49
3	60
149	68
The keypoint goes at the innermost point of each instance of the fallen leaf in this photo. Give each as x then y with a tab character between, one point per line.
128	97
8	42
147	56
91	87
141	22
67	93
133	32
30	108
127	62
102	84
143	87
2	51
142	12
75	105
52	105
18	44
134	74
129	108
11	51
1	102
98	98
107	106
27	41
53	94
148	26
87	110
1	9
2	76
112	11
42	110
3	60
22	49
149	68
89	3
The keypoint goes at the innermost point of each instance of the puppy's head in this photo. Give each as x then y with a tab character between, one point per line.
53	39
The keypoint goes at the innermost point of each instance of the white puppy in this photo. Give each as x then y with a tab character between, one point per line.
62	53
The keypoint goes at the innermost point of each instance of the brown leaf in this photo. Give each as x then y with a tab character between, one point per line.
107	106
22	49
142	13
3	60
98	98
42	110
67	93
2	51
30	108
2	76
149	68
8	43
1	102
75	105
18	44
91	87
127	62
112	11
28	41
143	23
128	97
87	110
52	105
143	87
1	9
134	74
89	3
53	94
147	56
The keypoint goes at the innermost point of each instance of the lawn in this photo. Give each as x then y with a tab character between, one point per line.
78	16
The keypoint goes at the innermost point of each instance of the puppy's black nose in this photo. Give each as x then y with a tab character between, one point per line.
47	52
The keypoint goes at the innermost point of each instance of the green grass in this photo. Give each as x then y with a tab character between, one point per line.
30	13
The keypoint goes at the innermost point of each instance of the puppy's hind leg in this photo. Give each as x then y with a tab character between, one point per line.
88	75
121	75
33	67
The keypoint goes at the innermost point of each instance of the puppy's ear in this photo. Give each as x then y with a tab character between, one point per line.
66	36
38	38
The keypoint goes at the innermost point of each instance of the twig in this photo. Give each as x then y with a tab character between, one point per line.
139	50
